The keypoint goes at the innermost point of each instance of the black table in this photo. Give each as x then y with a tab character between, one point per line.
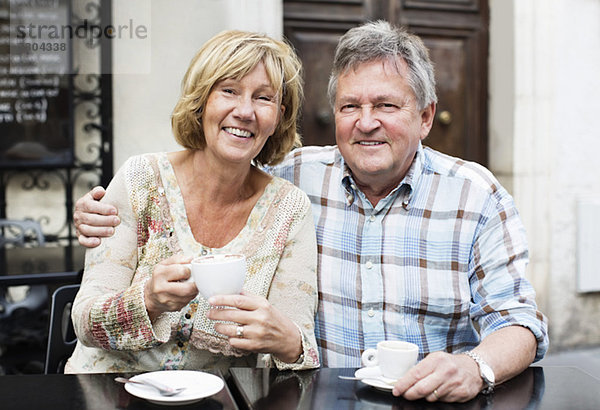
41	265
24	322
89	391
546	387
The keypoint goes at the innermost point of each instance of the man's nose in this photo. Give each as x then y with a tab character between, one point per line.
366	121
244	109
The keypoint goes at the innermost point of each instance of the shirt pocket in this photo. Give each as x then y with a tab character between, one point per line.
436	305
445	296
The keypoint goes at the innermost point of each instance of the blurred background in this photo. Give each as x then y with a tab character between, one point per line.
517	87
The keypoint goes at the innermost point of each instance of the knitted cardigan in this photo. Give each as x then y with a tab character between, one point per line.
114	331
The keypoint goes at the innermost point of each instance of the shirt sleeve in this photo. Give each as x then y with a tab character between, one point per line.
502	296
109	310
294	286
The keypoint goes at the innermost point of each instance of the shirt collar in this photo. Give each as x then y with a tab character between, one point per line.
405	187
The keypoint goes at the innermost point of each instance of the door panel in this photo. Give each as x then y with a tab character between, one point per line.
458	128
455	5
316	48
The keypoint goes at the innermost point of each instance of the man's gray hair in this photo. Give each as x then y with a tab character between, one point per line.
379	40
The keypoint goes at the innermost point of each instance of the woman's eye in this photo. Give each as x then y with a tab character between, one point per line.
228	91
265	98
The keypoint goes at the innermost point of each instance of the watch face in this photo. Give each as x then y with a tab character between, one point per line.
487	374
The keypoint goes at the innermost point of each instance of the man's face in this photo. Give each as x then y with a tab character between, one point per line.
378	124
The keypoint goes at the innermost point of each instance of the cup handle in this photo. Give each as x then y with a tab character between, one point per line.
189	266
369	358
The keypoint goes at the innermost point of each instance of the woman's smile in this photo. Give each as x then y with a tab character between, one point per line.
238	132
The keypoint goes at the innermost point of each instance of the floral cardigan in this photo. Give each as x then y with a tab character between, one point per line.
114	331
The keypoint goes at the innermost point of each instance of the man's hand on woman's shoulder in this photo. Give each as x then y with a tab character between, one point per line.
93	219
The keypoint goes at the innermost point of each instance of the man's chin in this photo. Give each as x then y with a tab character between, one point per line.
372	172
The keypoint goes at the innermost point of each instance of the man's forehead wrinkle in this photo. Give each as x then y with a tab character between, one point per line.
377	97
391	66
397	63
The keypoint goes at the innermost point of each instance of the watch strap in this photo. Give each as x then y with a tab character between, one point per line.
482	364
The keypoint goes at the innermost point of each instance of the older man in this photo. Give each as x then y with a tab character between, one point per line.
413	245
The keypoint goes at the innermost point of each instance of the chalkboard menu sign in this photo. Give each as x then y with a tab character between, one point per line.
36	115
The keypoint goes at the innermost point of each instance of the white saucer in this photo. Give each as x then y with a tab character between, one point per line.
372	376
198	386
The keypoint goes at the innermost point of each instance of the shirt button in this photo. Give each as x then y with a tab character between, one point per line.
204	252
372	218
369	265
371	312
180	344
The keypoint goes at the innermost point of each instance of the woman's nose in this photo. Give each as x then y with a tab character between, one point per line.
244	109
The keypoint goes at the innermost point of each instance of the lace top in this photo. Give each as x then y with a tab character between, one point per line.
114	331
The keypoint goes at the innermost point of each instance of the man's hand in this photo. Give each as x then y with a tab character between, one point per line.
456	377
441	377
93	219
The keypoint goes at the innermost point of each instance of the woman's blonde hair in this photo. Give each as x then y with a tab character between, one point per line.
233	54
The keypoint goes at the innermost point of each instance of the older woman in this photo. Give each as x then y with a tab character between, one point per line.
135	310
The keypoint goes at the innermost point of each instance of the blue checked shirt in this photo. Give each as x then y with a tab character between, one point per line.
443	254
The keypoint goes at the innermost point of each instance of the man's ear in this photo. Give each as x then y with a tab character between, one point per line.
427	116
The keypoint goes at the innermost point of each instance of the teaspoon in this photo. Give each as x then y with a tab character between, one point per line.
164	390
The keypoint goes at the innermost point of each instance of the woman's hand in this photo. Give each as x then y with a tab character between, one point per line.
265	329
166	290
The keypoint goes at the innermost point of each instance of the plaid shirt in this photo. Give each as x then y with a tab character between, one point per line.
443	254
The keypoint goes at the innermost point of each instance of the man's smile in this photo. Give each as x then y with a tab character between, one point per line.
370	143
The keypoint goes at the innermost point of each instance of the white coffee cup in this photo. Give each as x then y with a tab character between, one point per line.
394	357
220	274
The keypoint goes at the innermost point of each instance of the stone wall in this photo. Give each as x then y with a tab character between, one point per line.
544	143
143	99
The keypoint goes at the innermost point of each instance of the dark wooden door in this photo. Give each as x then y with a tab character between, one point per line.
455	31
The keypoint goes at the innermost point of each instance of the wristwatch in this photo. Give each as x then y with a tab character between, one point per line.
486	372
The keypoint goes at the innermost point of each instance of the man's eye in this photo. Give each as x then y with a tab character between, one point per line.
386	107
348	108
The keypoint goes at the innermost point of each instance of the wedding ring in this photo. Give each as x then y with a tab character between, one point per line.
239	332
436	394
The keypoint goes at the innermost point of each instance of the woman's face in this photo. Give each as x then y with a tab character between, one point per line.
240	115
